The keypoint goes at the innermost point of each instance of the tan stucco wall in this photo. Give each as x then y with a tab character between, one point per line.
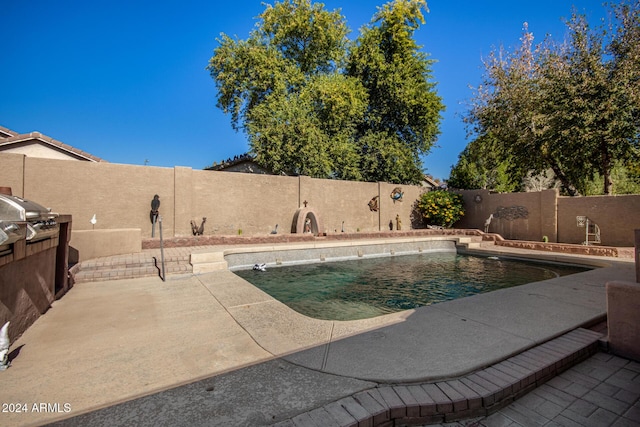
540	219
12	172
338	201
623	318
555	216
234	201
120	196
90	244
617	217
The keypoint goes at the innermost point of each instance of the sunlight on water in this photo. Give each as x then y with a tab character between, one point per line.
364	288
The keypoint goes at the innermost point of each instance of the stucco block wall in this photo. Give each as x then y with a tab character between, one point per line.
12	173
623	318
554	216
233	201
120	197
184	201
617	217
338	201
406	208
540	208
90	244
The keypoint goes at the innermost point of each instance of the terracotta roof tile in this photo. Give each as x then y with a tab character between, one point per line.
17	138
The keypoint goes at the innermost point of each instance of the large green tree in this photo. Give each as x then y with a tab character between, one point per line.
479	167
402	119
297	87
571	107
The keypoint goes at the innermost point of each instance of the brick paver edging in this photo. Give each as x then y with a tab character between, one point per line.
475	395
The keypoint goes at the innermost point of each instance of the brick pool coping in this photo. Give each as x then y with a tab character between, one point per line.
566	248
216	240
478	394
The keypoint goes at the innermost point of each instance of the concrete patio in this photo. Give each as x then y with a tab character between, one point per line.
211	349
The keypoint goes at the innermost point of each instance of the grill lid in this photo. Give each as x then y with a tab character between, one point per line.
10	233
14	208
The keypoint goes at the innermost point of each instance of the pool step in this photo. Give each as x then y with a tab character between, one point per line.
208	261
471	242
478	394
130	266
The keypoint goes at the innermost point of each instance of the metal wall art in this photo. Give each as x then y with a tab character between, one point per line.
373	204
396	194
198	230
511	213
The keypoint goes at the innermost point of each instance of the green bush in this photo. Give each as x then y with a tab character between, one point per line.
441	207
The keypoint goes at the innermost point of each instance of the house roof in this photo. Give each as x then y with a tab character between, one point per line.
430	182
6	133
242	163
11	140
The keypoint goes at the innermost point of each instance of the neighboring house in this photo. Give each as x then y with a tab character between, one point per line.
35	144
246	163
431	184
243	163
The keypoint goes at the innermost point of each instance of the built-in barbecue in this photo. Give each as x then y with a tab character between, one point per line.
24	219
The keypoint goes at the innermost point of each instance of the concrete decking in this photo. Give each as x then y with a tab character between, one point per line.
212	349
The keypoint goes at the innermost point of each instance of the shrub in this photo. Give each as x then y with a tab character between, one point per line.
441	207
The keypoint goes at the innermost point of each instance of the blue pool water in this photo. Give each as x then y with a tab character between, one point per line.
364	288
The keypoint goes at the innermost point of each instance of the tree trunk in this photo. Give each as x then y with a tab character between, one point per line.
566	183
606	170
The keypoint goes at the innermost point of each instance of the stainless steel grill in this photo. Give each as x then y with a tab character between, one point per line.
21	218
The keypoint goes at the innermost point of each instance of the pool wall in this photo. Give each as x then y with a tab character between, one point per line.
238	258
244	258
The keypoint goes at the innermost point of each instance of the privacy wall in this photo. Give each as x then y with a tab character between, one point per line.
232	203
238	203
532	216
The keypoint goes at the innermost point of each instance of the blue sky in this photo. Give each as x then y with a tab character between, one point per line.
126	80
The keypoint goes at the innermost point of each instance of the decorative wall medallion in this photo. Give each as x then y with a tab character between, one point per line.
396	194
373	204
478	198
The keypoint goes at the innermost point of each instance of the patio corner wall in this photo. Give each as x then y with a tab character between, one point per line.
617	217
623	319
516	216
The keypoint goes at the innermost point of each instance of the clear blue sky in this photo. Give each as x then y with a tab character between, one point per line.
126	80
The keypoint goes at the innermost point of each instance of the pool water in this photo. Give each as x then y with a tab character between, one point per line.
363	288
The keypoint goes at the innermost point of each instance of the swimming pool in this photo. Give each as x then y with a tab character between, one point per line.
363	288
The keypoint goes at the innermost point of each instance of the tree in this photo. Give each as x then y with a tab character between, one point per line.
297	88
281	87
503	115
479	167
574	104
588	103
403	114
441	207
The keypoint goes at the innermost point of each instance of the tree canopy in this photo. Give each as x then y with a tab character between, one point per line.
313	102
571	107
